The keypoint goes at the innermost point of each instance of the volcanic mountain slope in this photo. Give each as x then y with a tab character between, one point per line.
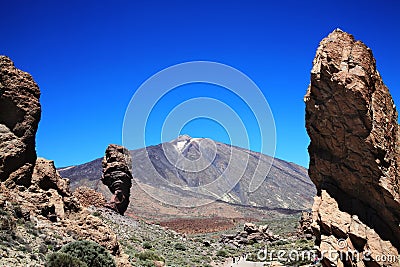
180	171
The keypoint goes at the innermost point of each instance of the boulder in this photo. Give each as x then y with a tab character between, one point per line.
250	228
354	154
45	176
251	234
49	193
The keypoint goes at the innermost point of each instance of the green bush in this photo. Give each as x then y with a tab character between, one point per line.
59	259
280	242
222	253
179	246
149	255
91	253
147	245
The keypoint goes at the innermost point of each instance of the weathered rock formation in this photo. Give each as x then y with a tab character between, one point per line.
117	175
30	187
305	229
37	182
19	118
251	234
49	193
354	154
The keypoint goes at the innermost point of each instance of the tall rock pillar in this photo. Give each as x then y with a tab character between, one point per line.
354	155
117	175
19	118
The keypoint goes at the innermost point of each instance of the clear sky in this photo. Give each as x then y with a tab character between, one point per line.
89	58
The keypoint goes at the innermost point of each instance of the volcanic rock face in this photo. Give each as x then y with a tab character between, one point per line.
117	175
354	154
19	117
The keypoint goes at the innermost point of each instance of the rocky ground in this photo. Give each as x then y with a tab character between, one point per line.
202	225
27	242
146	242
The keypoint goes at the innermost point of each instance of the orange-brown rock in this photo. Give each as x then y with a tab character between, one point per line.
49	193
305	229
354	154
19	118
45	176
117	175
89	197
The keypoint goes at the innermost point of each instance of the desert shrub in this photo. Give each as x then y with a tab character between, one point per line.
252	257
146	263
90	253
149	255
147	245
222	253
179	246
59	259
280	242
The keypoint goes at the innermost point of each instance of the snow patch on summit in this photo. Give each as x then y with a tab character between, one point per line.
183	141
180	145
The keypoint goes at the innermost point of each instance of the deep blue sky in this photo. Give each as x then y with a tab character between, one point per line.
89	57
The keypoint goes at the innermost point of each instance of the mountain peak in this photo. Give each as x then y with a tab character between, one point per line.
183	141
184	137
